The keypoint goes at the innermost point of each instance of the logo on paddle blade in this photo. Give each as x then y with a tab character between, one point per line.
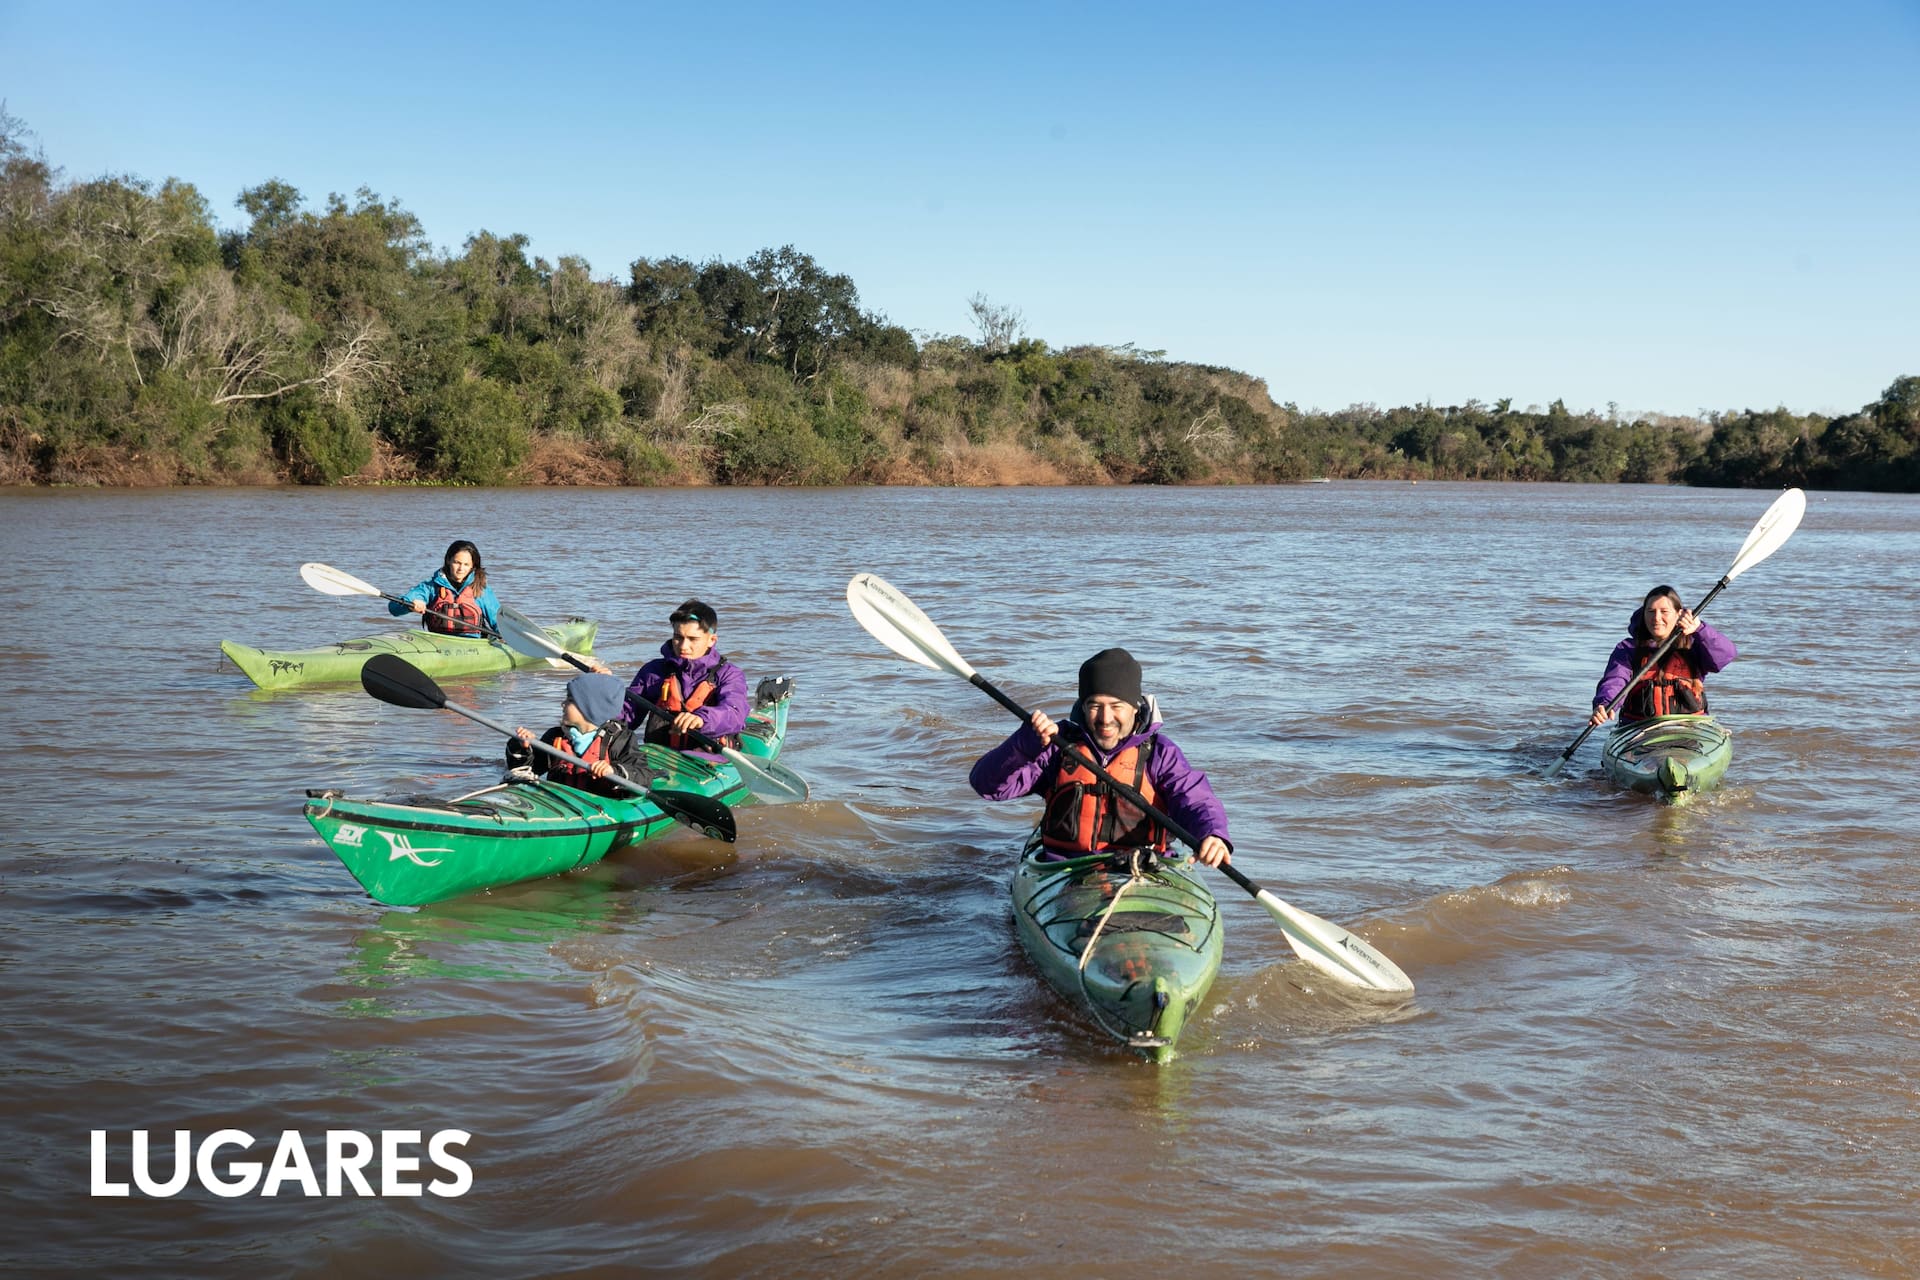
1353	946
403	848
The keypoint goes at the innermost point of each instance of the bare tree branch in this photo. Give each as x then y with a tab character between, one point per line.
1000	327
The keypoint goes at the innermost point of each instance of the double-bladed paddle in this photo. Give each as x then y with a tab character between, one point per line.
898	623
394	680
1775	527
328	580
768	780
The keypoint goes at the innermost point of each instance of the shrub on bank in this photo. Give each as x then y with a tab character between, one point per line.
139	344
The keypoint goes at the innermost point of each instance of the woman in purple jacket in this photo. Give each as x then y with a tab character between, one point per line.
1677	685
1120	729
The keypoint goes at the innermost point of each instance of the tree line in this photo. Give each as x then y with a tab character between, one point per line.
140	343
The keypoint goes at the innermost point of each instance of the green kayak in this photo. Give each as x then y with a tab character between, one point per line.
434	654
1672	757
1135	945
420	849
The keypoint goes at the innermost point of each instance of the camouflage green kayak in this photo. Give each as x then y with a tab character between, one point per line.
1133	940
1672	757
433	654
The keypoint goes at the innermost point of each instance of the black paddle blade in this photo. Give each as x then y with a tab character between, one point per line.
391	678
703	813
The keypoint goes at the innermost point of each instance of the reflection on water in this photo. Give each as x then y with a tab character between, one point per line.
477	937
1655	1039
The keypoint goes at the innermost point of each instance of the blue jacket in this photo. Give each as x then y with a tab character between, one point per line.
489	607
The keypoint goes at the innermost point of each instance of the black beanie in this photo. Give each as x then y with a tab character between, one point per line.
1112	672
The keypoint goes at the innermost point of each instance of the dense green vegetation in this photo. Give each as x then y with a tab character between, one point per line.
140	343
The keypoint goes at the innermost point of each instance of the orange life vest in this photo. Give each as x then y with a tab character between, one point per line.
463	604
569	774
662	733
1670	689
1084	815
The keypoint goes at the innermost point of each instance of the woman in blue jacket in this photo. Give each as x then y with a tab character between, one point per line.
458	592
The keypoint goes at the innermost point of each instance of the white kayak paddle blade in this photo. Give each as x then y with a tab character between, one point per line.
1775	527
1334	951
898	623
767	779
328	580
523	635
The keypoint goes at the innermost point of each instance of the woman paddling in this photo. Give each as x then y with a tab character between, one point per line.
459	590
1677	684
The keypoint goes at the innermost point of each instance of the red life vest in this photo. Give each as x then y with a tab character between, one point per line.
463	604
1670	689
569	774
1084	815
662	732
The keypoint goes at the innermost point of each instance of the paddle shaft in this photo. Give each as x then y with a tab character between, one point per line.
1666	645
553	751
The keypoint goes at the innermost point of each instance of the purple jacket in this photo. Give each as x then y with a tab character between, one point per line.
726	709
1020	766
1709	652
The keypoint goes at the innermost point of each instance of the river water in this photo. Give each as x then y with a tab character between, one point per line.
1646	1040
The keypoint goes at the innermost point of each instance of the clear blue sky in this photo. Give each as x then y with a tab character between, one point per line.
1671	206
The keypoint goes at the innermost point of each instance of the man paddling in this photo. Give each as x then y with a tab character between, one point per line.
1121	730
693	683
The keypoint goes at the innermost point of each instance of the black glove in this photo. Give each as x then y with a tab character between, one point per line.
519	754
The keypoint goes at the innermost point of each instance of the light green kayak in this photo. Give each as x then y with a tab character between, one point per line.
434	654
1672	757
1149	935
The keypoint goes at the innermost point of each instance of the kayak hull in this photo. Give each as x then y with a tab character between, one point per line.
434	654
1672	757
1150	957
413	851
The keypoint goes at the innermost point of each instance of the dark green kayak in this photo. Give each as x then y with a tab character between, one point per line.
432	653
421	849
1672	757
1148	932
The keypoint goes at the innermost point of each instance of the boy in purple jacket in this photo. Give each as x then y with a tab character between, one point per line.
696	685
1120	729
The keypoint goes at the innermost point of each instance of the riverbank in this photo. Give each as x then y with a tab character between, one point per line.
925	428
